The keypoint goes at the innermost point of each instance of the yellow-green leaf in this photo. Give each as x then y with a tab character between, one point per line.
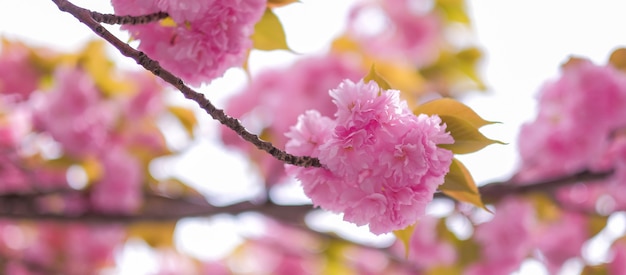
269	33
595	270
404	235
467	138
618	59
374	76
93	169
168	22
451	107
186	117
279	3
596	223
453	10
156	234
460	185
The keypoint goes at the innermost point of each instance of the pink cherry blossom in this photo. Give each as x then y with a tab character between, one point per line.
578	113
292	90
119	190
411	31
18	77
381	163
507	239
561	239
73	113
426	248
209	36
81	248
147	102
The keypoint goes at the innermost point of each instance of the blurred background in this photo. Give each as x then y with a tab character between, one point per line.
524	43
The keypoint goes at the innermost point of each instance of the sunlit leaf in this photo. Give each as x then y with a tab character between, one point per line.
453	10
595	270
618	59
167	22
456	71
156	234
93	169
374	76
176	188
451	107
280	3
545	208
269	33
467	138
460	185
404	235
186	117
596	223
102	70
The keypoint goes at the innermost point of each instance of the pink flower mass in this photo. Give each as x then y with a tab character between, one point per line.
208	38
381	162
578	113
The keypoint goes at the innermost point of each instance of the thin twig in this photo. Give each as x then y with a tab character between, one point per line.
128	19
85	16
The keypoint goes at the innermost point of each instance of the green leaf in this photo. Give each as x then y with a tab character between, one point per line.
374	76
186	117
460	185
404	235
451	107
467	138
269	33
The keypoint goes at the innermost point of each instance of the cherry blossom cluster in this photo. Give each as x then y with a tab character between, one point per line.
208	37
381	162
47	247
306	87
517	231
580	125
411	30
73	121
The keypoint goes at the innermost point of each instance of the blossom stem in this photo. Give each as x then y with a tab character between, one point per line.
85	16
128	19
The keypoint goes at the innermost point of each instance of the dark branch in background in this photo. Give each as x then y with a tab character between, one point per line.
154	208
161	208
495	191
128	19
85	16
498	190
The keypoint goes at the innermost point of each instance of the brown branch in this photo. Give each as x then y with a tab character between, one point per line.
85	16
497	190
128	19
155	208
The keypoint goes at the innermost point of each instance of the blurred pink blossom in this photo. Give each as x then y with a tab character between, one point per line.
119	189
411	30
74	114
507	239
578	113
561	239
209	36
303	86
426	249
18	77
381	163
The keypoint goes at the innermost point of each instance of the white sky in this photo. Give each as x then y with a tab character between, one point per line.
525	42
